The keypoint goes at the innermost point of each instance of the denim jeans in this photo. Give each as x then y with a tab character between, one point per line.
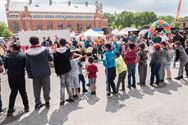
155	73
142	71
131	74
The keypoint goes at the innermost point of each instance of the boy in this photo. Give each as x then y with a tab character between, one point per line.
62	68
109	63
181	55
155	64
92	75
1	71
130	60
15	65
121	69
142	64
38	69
74	72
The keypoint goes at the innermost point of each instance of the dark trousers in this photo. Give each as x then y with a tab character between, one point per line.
121	79
155	73
17	84
186	69
82	79
131	74
0	96
111	75
142	71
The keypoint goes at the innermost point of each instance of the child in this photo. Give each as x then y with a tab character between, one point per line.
164	57
15	65
155	64
109	63
81	76
168	64
130	60
142	64
91	72
121	69
74	74
181	55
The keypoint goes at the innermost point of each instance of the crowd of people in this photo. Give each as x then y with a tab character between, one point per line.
75	62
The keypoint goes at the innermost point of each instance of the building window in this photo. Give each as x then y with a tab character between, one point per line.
79	17
79	27
14	16
69	26
15	27
48	16
88	25
60	26
59	16
38	16
50	26
38	26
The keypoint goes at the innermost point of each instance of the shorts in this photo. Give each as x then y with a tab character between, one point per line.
74	81
167	66
92	81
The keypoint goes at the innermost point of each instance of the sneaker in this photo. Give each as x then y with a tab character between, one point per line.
85	90
38	106
47	105
179	78
129	87
108	95
2	110
62	103
115	93
134	86
151	84
94	93
10	112
75	97
70	100
79	90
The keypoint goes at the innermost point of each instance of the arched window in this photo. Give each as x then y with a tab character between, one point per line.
60	26
88	25
38	26
50	26
79	27
15	27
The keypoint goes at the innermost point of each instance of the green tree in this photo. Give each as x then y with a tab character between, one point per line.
167	18
4	31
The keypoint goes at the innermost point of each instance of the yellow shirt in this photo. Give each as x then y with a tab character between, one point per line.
120	65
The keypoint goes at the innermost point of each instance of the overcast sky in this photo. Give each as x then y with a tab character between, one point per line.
161	7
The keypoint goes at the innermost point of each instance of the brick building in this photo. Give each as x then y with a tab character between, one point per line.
30	15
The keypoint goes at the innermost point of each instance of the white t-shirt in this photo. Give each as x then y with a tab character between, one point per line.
74	66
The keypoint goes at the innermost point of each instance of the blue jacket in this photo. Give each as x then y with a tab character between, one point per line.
109	57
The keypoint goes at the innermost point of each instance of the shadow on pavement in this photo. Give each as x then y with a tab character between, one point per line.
113	104
91	99
135	93
60	116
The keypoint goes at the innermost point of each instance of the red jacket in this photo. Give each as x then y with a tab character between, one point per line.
130	57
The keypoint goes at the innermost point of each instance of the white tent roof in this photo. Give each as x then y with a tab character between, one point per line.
126	30
90	33
143	32
115	31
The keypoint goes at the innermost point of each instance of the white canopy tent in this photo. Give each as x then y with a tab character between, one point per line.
90	33
115	31
143	32
126	30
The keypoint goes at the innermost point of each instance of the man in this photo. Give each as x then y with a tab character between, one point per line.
45	43
132	37
15	65
1	71
49	41
37	65
74	42
157	38
62	68
180	37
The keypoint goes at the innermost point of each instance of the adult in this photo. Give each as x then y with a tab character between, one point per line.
38	69
1	71
62	68
49	41
180	37
157	38
45	43
132	37
15	65
74	42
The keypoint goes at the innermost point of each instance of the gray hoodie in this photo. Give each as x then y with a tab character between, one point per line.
37	62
